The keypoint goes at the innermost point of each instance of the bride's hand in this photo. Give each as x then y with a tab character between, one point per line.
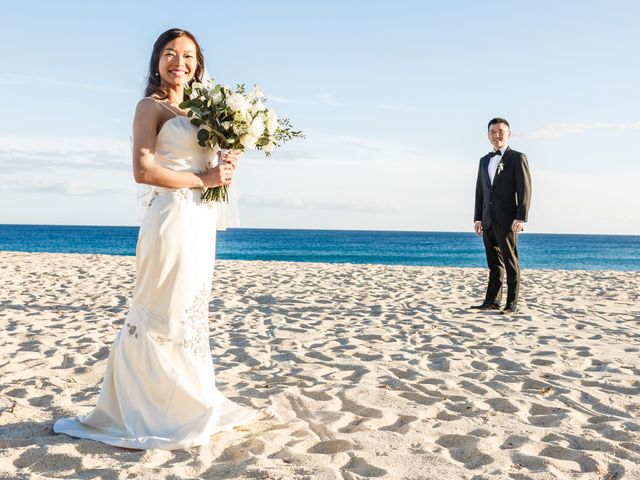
218	175
232	157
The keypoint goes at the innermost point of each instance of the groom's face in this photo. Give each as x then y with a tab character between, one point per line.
499	135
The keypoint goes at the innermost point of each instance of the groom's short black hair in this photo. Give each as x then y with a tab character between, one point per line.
496	121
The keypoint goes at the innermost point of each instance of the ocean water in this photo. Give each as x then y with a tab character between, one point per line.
543	251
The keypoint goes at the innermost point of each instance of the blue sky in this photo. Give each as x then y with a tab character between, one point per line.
394	98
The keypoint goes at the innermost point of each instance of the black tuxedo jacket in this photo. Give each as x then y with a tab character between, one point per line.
507	199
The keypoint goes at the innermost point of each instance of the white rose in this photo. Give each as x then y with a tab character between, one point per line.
256	93
248	141
256	129
272	122
237	103
238	128
257	107
242	117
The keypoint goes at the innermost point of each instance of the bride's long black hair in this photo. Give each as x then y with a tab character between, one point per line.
154	86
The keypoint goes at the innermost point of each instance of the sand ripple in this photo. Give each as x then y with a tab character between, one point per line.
359	371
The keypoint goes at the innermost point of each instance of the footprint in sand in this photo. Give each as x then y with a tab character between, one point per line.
514	441
34	460
540	362
361	467
401	425
530	462
405	374
319	396
473	388
239	453
583	351
567	456
41	401
483	367
319	356
417	398
357	409
357	425
331	447
542	416
464	449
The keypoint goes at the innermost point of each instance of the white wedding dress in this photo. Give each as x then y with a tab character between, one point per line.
159	387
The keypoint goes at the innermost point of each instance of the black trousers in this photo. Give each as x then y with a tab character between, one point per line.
501	248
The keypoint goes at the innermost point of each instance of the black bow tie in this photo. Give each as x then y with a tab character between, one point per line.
493	154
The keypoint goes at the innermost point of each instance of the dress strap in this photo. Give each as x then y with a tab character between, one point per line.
167	107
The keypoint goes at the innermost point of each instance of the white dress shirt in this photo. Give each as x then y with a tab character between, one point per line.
493	163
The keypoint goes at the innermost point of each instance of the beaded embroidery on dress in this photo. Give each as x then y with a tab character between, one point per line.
159	387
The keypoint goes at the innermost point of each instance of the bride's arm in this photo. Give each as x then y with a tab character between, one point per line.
145	169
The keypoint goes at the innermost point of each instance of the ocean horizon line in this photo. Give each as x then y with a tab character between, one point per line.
386	247
470	231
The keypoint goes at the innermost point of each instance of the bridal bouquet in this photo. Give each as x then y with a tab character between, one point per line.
234	119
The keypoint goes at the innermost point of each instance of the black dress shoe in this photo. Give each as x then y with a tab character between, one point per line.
487	306
510	308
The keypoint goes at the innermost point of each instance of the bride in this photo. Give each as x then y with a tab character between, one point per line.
159	387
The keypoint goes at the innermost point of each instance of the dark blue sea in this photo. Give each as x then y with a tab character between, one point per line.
545	251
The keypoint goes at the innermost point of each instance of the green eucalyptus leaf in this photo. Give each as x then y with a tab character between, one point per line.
203	136
220	139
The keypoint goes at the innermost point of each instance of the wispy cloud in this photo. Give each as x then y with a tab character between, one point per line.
60	188
297	204
277	99
284	155
347	149
26	154
20	79
329	99
562	129
321	99
362	143
396	108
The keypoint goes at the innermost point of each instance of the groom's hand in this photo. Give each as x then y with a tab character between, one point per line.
516	226
478	228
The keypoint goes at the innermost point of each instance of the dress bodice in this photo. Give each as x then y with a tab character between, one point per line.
177	146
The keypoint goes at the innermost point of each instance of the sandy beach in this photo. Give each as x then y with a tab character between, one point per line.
358	371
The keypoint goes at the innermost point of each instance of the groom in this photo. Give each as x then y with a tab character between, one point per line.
503	194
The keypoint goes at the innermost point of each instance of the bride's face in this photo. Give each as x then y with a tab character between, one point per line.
178	62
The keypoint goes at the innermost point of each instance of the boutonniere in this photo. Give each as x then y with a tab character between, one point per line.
500	167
